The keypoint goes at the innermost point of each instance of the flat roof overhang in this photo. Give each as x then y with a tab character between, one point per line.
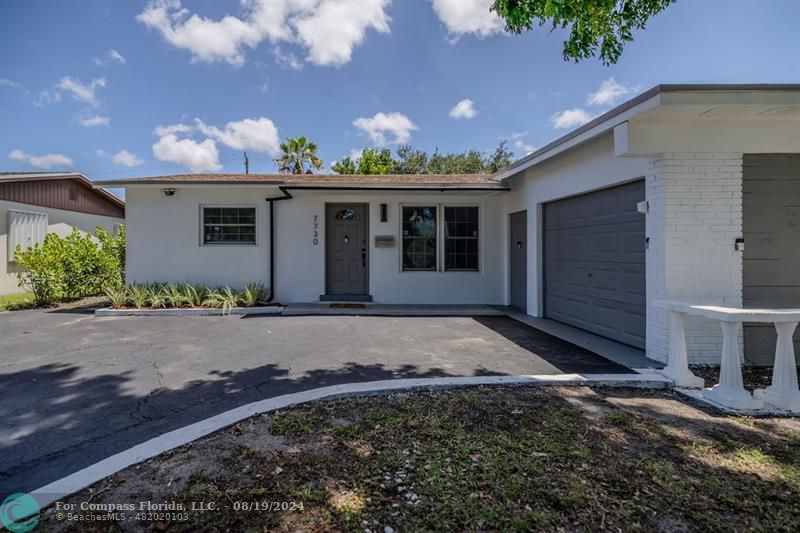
676	103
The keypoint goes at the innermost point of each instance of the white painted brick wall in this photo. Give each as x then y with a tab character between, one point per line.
695	216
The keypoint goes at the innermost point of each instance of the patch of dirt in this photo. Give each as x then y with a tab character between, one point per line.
475	459
753	377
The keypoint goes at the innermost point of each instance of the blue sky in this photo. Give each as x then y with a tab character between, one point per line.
122	89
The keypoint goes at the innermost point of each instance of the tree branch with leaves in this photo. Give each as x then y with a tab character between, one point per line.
596	26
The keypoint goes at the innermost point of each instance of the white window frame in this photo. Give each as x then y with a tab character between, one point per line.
201	225
440	237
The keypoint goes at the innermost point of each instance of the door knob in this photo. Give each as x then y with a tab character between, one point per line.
519	244
346	238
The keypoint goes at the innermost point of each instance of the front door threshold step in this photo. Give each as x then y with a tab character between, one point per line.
345	297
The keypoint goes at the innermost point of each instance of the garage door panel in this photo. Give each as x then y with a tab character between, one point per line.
594	262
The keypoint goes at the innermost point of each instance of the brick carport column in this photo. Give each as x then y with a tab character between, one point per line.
694	218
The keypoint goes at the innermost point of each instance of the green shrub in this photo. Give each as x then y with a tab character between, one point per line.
253	294
138	295
42	271
118	294
224	298
74	266
194	295
157	296
175	297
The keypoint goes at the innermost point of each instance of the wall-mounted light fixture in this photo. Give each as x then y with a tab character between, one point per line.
739	245
384	213
168	192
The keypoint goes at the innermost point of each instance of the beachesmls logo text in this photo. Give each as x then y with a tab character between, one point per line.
19	513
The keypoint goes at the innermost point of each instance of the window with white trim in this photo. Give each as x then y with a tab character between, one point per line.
229	225
440	238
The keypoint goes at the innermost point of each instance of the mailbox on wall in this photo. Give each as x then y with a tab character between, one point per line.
384	241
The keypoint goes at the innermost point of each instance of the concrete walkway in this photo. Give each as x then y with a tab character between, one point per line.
76	388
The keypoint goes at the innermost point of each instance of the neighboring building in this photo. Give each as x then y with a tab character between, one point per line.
33	204
654	199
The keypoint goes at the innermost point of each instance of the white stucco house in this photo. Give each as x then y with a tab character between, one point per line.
33	204
686	191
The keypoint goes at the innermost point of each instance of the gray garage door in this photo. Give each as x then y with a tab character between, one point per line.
771	259
594	263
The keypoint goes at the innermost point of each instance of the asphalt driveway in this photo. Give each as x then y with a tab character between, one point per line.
75	389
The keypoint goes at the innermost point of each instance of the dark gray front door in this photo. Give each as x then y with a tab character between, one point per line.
346	248
771	257
594	262
518	260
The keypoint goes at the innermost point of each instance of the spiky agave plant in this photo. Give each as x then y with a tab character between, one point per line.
138	294
194	295
222	298
157	296
118	294
253	294
174	295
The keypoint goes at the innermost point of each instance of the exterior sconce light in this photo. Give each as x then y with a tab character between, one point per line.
739	246
168	192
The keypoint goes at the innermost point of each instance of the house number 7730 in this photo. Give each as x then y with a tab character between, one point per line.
315	239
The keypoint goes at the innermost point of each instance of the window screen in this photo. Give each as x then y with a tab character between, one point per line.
461	238
419	238
25	230
229	225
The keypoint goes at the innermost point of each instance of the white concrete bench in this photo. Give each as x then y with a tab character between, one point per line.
783	393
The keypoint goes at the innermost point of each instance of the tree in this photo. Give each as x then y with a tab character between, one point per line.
410	161
375	161
296	154
470	162
500	158
345	166
604	25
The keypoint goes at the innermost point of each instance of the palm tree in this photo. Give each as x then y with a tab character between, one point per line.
296	154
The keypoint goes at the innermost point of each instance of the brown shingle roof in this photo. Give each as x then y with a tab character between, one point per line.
318	180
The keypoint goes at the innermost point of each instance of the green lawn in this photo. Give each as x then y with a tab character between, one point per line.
13	302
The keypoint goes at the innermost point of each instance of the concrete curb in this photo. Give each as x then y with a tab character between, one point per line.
179	437
195	311
697	396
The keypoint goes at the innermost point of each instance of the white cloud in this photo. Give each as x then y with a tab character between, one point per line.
41	161
286	59
332	31
100	152
196	156
11	84
462	17
378	126
110	56
96	120
570	118
172	129
47	97
126	159
176	145
81	91
464	109
328	29
610	92
264	86
257	134
523	147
